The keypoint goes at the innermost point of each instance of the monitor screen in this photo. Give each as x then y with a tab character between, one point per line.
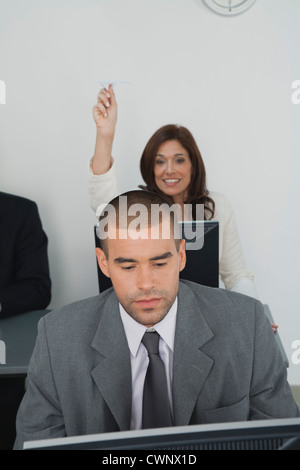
277	434
202	252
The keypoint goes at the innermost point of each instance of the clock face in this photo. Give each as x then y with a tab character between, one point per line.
229	7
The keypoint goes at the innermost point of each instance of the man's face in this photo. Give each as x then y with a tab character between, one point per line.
144	274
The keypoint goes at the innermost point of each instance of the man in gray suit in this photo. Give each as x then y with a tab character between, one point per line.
88	368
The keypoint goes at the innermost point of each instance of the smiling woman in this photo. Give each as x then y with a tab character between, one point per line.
172	165
172	169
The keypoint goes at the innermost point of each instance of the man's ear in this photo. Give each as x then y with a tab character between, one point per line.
102	261
182	255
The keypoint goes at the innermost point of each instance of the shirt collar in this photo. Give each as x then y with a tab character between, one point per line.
134	331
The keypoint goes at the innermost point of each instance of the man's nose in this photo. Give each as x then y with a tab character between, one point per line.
146	278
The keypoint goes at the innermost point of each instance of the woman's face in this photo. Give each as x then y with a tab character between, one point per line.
172	170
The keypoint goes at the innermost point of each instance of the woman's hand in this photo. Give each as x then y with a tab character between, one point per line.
105	116
105	111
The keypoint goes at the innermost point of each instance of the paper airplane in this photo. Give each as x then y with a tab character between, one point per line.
106	83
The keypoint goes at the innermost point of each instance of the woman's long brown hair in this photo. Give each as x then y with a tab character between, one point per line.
197	191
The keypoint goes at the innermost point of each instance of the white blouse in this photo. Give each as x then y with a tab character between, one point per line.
232	266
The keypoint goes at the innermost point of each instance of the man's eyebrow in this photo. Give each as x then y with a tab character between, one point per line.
166	255
124	260
121	260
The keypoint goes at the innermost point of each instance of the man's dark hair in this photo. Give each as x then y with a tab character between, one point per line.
153	205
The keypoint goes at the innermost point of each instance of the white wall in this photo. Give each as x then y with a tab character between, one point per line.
227	79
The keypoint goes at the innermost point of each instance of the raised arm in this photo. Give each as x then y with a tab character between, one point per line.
105	116
101	173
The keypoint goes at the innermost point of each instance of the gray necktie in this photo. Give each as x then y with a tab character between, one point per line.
156	407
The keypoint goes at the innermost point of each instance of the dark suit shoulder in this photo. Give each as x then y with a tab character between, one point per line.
15	201
10	205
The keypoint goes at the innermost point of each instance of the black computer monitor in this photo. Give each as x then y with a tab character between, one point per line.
202	253
277	434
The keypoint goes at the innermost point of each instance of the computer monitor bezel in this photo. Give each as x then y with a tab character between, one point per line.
245	435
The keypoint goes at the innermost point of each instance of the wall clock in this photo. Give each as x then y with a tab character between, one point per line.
229	7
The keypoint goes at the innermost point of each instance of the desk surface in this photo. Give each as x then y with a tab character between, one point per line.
19	334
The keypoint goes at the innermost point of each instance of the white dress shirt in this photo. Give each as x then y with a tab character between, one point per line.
134	332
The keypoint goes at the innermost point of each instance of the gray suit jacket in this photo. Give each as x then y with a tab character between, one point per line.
227	366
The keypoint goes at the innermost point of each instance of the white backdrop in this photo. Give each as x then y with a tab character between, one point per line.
229	80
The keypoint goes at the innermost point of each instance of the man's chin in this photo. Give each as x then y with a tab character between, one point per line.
148	317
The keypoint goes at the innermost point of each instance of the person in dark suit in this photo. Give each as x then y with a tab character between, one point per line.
24	270
89	369
24	285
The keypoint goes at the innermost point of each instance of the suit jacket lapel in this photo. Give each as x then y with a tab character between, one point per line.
191	365
113	372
